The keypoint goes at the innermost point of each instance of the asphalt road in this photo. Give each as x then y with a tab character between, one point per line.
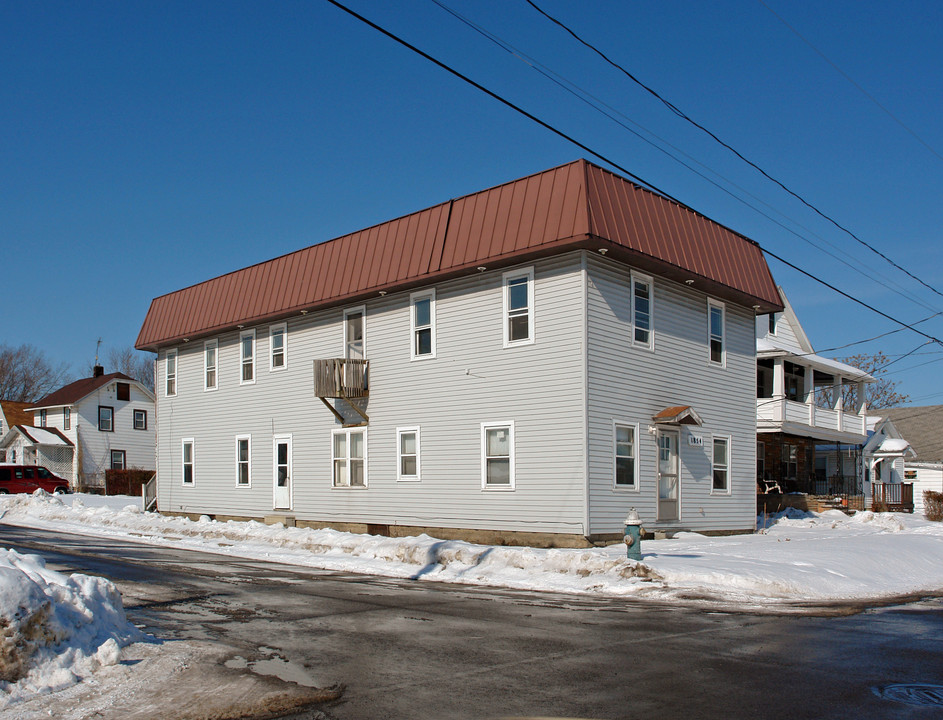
414	649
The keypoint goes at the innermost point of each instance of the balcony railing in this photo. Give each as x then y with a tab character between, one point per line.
340	378
897	497
779	410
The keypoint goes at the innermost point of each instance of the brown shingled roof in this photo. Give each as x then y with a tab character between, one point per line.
75	391
16	413
578	205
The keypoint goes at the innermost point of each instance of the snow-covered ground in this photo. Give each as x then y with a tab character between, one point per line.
57	630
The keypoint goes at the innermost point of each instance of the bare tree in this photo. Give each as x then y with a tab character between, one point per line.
134	364
26	375
880	394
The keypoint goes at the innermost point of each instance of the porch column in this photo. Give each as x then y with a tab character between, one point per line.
779	388
808	388
861	404
838	404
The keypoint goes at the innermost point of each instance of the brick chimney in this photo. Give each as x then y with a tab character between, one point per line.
98	371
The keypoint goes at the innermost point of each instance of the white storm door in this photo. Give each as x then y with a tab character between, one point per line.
282	472
668	475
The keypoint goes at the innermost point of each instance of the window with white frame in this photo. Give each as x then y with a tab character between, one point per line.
407	451
243	460
642	310
66	418
715	329
518	307
170	373
278	347
140	420
422	324
497	456
187	461
625	456
210	362
118	460
721	465
355	341
349	456
247	357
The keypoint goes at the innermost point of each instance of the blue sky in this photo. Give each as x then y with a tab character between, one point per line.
146	146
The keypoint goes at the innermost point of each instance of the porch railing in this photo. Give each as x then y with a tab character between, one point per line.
340	378
778	410
149	493
896	497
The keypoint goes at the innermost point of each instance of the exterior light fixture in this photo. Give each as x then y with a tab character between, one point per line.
688	282
382	293
481	268
603	251
304	312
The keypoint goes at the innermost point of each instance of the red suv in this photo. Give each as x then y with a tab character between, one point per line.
27	478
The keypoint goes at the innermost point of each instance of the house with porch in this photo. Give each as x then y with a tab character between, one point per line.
86	427
519	365
13	412
807	440
922	426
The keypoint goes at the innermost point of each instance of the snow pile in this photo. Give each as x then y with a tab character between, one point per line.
54	629
794	557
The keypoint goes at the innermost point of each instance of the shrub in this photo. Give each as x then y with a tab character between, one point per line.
933	505
126	482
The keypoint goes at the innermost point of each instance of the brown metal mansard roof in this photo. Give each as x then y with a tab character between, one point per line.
578	205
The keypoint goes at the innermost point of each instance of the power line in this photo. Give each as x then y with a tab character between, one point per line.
608	111
681	114
847	77
605	159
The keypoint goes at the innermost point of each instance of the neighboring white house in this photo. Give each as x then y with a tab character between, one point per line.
523	364
807	441
91	425
922	426
12	412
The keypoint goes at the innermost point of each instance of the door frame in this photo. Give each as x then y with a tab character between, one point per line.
276	440
676	432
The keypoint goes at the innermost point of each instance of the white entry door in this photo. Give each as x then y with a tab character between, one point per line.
282	472
668	475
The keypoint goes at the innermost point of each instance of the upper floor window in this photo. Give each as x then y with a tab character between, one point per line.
349	455
247	355
407	444
106	418
715	313
42	418
140	420
625	456
355	342
210	362
642	310
422	322
66	418
518	307
278	358
772	323
170	373
123	391
497	455
721	465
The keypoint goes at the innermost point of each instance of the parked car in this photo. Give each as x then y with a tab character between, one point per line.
27	478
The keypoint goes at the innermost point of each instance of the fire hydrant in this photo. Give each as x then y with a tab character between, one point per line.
633	535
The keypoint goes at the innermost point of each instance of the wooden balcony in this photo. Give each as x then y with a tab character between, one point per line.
897	497
340	378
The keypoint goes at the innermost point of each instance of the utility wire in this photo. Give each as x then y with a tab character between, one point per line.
610	112
845	75
681	114
605	159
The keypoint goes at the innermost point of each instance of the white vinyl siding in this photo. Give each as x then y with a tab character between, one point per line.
278	347
407	451
519	307
422	324
247	357
210	355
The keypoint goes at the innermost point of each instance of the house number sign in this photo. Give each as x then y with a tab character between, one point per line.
696	440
